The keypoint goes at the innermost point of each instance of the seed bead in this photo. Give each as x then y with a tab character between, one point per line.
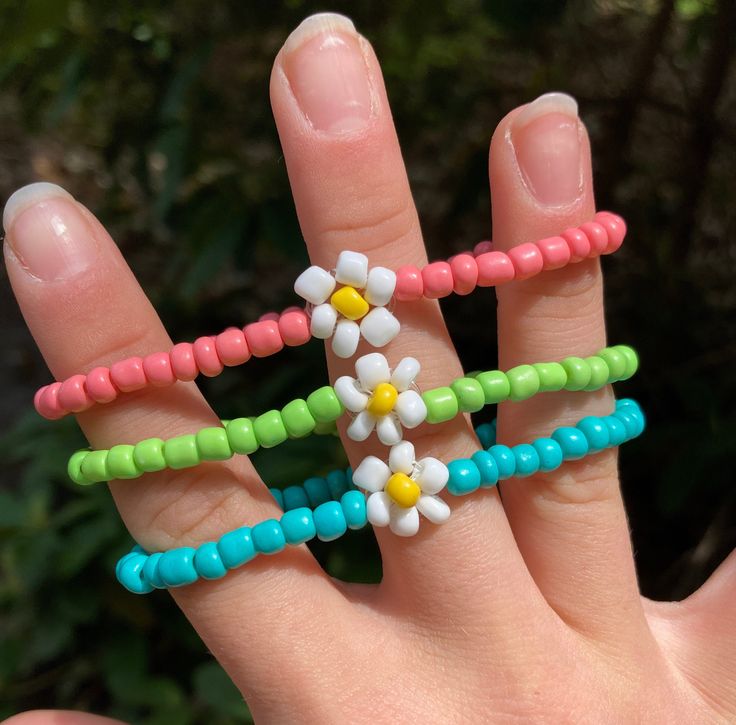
269	429
632	360
578	373
552	376
505	460
294	497
121	463
495	385
236	547
208	562
206	357
549	452
464	476
94	467
523	382
317	491
181	452
442	404
595	432
354	510
330	521
298	421
324	405
469	394
527	460
599	373
487	468
213	444
616	363
298	526
572	442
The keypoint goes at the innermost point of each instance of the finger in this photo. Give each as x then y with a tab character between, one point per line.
59	717
351	193
85	308
570	525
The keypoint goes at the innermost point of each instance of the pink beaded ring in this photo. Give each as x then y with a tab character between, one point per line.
334	314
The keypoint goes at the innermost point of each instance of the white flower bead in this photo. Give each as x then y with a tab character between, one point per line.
347	391
389	430
401	458
361	427
378	509
324	319
315	285
380	287
432	475
352	269
411	408
404	522
405	373
372	369
433	509
379	327
346	338
372	474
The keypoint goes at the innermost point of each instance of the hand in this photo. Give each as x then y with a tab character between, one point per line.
522	607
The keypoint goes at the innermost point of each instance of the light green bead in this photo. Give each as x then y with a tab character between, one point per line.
599	373
324	405
269	429
241	436
149	455
632	360
495	385
578	373
298	421
73	468
442	404
469	394
552	376
181	452
94	467
524	382
326	428
616	363
120	462
213	445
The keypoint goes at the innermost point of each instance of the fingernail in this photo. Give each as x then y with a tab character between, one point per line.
47	232
327	71
546	139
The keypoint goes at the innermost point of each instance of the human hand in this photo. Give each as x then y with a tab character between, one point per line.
526	609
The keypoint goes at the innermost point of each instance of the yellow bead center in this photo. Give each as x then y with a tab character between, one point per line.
348	302
402	490
383	399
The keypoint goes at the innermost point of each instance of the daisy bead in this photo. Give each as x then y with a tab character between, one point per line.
402	489
382	399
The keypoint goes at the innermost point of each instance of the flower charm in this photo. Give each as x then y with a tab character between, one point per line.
336	313
400	491
381	399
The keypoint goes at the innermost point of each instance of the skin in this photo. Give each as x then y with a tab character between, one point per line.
524	606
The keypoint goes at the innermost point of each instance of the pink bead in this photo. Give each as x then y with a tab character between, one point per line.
182	361
231	347
483	248
294	327
527	260
409	284
47	402
598	237
555	252
438	281
264	338
615	229
99	386
274	316
578	242
465	273
157	368
206	357
73	396
494	268
128	375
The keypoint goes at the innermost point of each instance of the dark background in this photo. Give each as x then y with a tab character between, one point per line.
156	116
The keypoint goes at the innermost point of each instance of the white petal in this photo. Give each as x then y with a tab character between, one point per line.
433	508
361	427
411	408
380	287
352	269
346	338
324	318
346	388
404	522
315	285
378	508
401	457
405	373
372	474
389	430
432	475
372	369
379	327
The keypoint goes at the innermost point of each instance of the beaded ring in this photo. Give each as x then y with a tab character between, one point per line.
334	314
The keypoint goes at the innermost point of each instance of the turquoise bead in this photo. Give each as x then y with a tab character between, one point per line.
330	521
628	416
527	459
236	547
616	430
595	431
486	433
295	497
353	507
549	452
337	482
505	460
268	537
298	526
208	562
464	477
317	491
573	443
278	497
176	567
487	468
129	572
150	571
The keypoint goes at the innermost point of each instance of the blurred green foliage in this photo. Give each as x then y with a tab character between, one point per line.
157	117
